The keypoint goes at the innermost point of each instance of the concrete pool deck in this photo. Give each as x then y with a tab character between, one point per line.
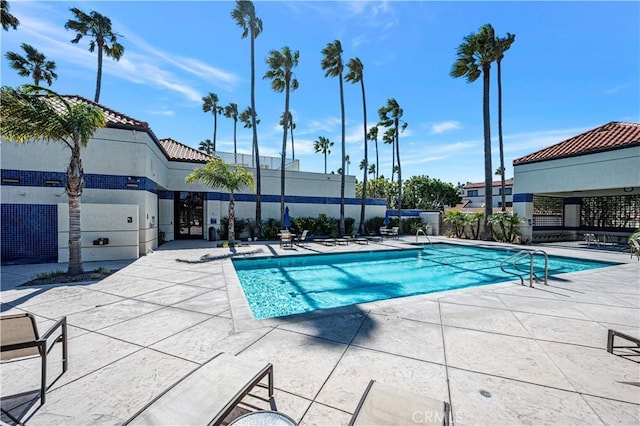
500	354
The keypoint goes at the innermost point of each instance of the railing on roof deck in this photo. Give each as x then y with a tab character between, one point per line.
248	160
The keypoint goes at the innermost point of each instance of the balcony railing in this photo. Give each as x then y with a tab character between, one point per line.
248	160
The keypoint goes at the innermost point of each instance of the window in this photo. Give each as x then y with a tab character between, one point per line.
507	191
472	193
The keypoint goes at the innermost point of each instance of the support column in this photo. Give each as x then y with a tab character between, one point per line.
523	207
572	214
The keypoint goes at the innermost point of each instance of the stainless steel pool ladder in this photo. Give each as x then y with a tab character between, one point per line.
421	231
521	255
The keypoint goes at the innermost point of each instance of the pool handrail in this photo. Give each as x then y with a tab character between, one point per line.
521	254
421	231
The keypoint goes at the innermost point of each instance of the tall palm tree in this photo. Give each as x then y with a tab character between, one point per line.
210	104
391	115
281	64
373	170
292	126
246	117
219	175
323	145
475	55
27	116
231	111
98	27
502	45
356	75
372	135
332	65
347	162
34	64
389	137
8	20
245	16
206	146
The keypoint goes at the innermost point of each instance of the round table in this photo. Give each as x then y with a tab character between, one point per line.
266	418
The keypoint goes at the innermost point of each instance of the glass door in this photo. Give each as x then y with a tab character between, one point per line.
188	214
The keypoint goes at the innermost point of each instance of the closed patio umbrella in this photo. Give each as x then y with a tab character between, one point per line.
287	221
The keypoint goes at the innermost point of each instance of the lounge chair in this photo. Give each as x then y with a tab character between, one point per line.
325	241
302	238
385	405
20	339
635	248
208	394
628	351
395	232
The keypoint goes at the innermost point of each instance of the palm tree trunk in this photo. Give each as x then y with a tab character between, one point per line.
235	150
255	137
99	78
393	159
366	159
73	188
325	162
377	160
502	183
293	151
399	177
488	171
284	151
344	153
215	127
232	220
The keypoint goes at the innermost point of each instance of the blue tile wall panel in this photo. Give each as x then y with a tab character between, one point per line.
523	198
91	181
29	233
165	195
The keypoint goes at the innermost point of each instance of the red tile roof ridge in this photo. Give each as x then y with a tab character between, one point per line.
112	116
624	134
182	152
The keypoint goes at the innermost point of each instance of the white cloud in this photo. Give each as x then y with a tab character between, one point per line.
444	126
618	88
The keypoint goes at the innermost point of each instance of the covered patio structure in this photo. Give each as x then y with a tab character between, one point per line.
584	188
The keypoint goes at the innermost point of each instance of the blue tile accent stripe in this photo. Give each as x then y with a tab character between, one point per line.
29	233
165	195
91	181
576	201
523	198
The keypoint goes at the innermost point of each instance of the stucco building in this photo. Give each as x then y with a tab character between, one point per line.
134	191
587	183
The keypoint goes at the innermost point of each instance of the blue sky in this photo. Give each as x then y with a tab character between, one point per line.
574	66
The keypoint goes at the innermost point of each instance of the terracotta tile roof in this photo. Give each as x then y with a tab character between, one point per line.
180	152
613	135
113	118
507	182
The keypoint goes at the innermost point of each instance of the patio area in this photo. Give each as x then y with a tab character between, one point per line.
500	354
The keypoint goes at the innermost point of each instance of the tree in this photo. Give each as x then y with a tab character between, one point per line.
391	115
245	16
206	146
292	126
423	192
456	219
502	45
347	162
389	137
373	170
27	116
381	188
231	111
98	27
246	117
332	65
210	104
475	55
323	145
8	20
281	64
34	64
219	175
372	135
356	75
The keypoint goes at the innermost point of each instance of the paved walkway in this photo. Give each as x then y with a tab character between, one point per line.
500	354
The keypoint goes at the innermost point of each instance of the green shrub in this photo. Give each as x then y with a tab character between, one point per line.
374	224
270	229
238	227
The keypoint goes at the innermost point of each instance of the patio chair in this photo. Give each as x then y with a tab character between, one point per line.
635	248
286	239
20	339
591	239
208	394
385	405
395	232
302	238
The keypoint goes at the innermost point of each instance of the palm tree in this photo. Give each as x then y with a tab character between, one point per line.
247	120
291	125
475	55
245	16
281	64
323	145
332	65
347	162
219	175
34	64
8	20
206	146
373	170
356	75
98	27
231	111
502	45
390	115
389	137
27	116
210	104
372	135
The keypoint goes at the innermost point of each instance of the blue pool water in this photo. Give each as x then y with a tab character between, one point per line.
279	286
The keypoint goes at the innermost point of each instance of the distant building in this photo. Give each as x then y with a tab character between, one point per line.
473	194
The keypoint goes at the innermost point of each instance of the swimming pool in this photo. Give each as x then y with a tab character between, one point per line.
280	286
